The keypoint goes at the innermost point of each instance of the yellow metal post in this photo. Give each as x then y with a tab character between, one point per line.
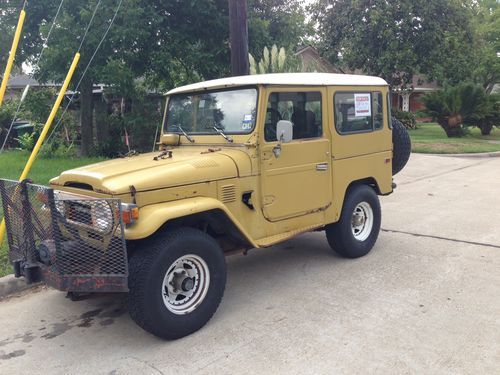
10	61
45	130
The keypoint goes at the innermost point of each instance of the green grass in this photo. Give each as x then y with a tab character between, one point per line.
11	166
431	139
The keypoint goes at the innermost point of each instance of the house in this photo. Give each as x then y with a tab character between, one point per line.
17	84
408	100
313	61
405	100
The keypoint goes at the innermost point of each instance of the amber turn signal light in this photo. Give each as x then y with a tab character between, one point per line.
130	213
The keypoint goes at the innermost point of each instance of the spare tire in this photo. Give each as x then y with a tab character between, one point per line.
401	146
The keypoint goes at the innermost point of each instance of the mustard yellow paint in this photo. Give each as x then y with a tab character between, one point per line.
289	194
51	118
10	61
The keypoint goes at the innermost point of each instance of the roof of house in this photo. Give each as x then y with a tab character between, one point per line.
293	79
312	60
20	81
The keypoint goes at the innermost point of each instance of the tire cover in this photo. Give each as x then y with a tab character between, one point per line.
401	146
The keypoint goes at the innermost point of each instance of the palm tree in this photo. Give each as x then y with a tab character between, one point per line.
466	104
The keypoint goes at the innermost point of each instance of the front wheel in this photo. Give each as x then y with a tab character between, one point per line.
176	283
355	234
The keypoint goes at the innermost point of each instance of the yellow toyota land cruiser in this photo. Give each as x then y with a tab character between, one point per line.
243	162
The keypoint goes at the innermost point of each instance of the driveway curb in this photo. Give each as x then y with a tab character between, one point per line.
495	154
11	285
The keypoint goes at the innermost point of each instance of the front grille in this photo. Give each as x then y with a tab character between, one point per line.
77	242
78	212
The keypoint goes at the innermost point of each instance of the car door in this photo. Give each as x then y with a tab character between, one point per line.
296	176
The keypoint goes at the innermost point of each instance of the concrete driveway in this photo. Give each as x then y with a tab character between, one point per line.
426	300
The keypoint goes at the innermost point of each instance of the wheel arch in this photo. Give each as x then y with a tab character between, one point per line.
367	181
214	222
207	214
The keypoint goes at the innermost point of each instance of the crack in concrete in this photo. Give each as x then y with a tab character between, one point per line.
442	238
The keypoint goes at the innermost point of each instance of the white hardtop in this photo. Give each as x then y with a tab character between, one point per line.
291	79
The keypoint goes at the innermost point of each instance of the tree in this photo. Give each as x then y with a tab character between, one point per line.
396	39
487	60
9	14
277	22
191	42
128	40
162	43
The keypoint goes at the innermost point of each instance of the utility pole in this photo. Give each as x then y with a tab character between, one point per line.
238	35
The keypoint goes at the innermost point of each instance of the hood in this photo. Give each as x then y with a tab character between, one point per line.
186	166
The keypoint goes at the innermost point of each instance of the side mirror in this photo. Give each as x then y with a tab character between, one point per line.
170	139
284	131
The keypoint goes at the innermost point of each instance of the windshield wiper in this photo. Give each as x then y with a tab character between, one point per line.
189	138
226	137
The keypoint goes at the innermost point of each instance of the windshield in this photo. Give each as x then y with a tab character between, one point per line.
230	111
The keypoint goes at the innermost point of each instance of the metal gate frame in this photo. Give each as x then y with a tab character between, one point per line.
72	243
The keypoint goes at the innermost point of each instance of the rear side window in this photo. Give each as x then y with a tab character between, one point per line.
358	112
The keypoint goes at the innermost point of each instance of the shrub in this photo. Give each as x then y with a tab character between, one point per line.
276	61
38	104
58	150
141	122
7	111
114	145
492	117
408	119
458	106
26	141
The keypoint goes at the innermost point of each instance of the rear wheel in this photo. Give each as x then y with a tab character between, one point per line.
355	234
177	283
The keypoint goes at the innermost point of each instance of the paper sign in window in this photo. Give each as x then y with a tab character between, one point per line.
362	105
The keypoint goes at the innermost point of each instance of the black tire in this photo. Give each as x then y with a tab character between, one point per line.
340	235
149	266
401	146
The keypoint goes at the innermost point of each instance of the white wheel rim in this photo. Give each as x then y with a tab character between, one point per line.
362	221
185	284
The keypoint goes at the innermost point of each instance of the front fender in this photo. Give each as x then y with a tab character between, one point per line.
152	217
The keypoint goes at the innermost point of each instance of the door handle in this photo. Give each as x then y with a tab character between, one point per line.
322	167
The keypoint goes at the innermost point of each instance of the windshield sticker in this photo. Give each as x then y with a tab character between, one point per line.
362	105
247	122
202	104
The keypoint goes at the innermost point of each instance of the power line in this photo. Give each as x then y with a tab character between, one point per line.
84	72
15	117
45	45
88	26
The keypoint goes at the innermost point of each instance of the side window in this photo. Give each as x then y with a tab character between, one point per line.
358	112
303	109
389	110
378	110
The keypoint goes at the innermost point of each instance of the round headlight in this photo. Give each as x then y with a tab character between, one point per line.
102	216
